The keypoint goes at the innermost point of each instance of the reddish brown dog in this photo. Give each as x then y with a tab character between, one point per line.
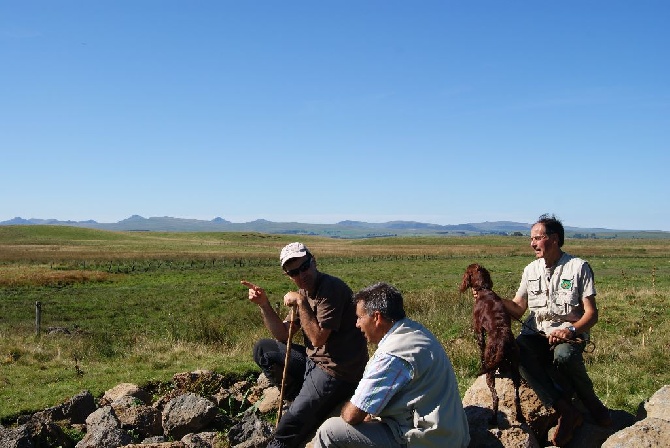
492	326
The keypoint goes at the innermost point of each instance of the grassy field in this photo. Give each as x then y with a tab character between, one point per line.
141	306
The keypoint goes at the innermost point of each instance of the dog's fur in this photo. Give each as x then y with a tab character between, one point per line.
492	326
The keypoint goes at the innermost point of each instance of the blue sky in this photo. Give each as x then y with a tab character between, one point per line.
444	112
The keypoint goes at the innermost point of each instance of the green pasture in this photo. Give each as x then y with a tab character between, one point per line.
142	306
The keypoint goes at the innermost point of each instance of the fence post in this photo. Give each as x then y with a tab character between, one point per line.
38	317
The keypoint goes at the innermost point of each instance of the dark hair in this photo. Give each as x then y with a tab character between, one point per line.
552	226
381	297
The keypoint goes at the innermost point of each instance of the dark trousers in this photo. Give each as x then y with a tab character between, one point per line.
554	373
314	392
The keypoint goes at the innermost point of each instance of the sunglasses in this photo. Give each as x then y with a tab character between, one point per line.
302	268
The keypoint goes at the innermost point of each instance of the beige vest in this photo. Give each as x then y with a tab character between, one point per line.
428	411
555	297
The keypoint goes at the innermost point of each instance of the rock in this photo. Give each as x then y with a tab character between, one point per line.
79	407
541	421
38	431
250	432
75	410
103	429
650	432
203	440
483	435
263	381
125	390
150	444
18	437
143	420
538	417
270	400
187	413
658	406
154	440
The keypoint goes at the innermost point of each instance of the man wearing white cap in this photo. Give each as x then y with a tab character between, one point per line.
324	372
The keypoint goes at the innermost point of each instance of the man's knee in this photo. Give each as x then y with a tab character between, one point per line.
330	431
261	347
330	423
565	354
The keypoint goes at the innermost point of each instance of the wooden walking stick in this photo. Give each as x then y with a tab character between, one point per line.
286	359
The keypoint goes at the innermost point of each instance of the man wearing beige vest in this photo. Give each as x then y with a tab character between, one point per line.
408	396
559	291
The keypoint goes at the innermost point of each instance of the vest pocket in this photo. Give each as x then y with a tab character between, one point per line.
536	297
566	298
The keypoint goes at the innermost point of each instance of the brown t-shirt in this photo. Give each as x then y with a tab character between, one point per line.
345	353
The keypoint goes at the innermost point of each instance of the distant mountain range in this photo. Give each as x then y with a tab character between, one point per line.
342	229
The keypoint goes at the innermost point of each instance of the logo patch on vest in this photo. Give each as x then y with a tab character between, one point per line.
566	283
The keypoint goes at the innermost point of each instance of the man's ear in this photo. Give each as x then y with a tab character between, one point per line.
377	316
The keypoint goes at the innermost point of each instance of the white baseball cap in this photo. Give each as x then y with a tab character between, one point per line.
293	250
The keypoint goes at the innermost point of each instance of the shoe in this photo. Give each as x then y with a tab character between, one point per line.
599	412
569	419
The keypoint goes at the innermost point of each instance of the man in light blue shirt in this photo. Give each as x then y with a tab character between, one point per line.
408	396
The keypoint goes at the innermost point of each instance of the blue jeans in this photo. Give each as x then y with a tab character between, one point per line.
317	396
270	355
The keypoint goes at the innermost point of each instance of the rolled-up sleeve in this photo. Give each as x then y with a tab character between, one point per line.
384	375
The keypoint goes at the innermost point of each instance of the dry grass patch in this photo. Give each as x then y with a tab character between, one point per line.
45	276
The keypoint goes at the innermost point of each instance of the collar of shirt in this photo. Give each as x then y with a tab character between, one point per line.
395	325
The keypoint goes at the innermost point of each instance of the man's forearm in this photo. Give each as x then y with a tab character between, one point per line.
513	309
317	335
273	323
352	414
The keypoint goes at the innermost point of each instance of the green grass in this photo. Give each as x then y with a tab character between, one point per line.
143	306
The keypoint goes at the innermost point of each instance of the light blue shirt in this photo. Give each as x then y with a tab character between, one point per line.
384	375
